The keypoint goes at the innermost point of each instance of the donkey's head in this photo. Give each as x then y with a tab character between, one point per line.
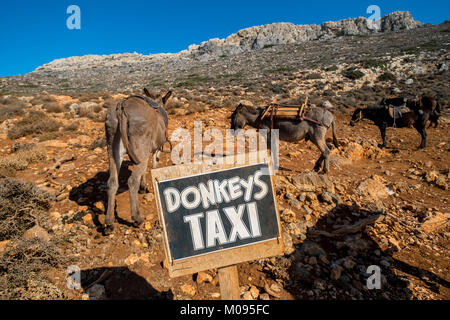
159	98
356	117
238	118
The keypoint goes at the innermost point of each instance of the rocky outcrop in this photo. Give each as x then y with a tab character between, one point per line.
287	33
245	40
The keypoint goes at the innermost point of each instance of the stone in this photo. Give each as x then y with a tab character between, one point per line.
149	197
203	277
97	292
254	292
335	273
312	261
294	203
88	220
247	296
372	188
188	289
131	259
99	205
288	216
36	232
3	246
312	249
53	144
264	296
288	244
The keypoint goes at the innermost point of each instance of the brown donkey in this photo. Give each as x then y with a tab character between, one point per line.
137	126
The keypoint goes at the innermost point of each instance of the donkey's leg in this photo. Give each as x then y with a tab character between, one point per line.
318	138
155	159
382	126
318	164
423	134
133	184
116	153
143	185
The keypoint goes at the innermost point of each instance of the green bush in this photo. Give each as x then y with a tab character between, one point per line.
387	76
353	73
373	63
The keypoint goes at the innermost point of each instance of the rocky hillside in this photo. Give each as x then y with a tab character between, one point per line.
248	51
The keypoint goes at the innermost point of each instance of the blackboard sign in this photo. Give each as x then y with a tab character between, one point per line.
217	211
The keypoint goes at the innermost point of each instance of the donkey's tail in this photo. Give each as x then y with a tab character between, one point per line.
335	139
123	126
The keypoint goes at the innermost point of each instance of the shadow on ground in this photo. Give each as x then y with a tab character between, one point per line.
95	190
336	267
121	283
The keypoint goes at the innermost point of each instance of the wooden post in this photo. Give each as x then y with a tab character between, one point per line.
229	283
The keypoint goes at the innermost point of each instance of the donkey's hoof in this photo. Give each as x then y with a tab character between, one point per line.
381	146
137	224
108	230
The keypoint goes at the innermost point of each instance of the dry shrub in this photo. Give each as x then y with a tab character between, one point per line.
20	160
195	107
22	146
22	205
24	267
89	97
35	122
110	102
53	107
71	127
230	103
49	136
173	105
11	107
96	116
98	143
24	263
42	98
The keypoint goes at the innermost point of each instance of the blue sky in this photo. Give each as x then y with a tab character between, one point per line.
34	32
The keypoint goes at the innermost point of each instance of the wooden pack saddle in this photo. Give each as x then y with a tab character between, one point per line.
276	111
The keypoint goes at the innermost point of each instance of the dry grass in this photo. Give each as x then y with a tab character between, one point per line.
11	107
54	107
20	160
35	122
25	263
22	205
42	98
71	127
24	267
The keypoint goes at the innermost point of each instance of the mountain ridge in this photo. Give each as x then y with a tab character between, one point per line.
249	39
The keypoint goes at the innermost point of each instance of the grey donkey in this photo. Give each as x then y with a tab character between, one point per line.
292	130
136	128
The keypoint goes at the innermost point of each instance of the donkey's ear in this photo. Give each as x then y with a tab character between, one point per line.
167	97
149	94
